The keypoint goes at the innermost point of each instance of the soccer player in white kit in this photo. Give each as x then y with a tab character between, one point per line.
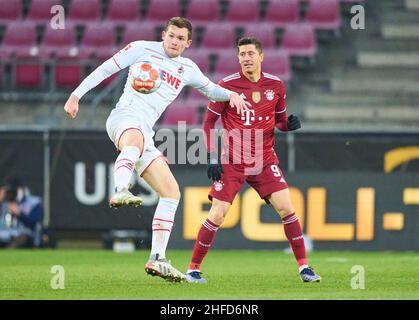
130	127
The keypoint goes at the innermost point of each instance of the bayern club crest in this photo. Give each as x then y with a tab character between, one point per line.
218	186
269	94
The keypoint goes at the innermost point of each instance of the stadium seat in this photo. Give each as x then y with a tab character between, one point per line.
40	10
264	32
98	41
121	12
138	31
19	38
28	75
201	12
200	57
276	62
242	11
67	71
162	10
280	13
219	36
57	40
84	11
10	11
323	14
27	70
180	110
299	40
227	63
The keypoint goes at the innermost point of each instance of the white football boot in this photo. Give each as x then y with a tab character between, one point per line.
124	198
163	269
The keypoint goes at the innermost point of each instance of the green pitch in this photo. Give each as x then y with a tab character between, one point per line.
100	274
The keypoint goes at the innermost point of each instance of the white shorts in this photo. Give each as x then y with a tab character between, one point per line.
122	119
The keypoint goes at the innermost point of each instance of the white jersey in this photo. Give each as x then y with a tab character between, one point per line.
176	72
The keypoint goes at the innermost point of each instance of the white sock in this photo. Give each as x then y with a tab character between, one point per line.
162	225
124	166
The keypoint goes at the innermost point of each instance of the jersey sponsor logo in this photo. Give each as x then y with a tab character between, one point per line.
249	115
256	96
269	94
171	79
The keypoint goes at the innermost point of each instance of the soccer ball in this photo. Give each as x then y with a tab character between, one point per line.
146	77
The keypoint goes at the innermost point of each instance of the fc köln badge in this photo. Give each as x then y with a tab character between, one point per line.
256	96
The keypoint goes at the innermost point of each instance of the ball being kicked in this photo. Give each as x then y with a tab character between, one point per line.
146	77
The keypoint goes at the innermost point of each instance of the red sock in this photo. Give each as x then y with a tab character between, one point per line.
203	242
295	236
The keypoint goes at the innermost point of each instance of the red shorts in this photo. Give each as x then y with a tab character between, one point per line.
265	183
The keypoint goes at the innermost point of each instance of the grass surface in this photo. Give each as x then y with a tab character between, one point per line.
100	274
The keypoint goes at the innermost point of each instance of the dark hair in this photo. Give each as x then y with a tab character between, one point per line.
180	23
249	40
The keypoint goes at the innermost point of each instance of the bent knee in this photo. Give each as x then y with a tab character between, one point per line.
217	218
131	137
218	214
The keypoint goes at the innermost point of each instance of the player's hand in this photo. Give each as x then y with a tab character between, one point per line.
238	102
14	208
293	123
214	167
71	107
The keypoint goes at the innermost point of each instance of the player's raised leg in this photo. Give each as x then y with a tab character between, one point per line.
131	145
281	201
161	179
205	238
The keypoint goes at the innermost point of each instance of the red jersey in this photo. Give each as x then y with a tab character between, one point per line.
251	134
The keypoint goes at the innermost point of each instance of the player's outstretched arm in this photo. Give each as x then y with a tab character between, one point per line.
102	72
117	62
71	107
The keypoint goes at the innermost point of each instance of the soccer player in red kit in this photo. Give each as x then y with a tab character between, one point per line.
248	155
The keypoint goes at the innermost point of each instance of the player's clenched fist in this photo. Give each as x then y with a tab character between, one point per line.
71	107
